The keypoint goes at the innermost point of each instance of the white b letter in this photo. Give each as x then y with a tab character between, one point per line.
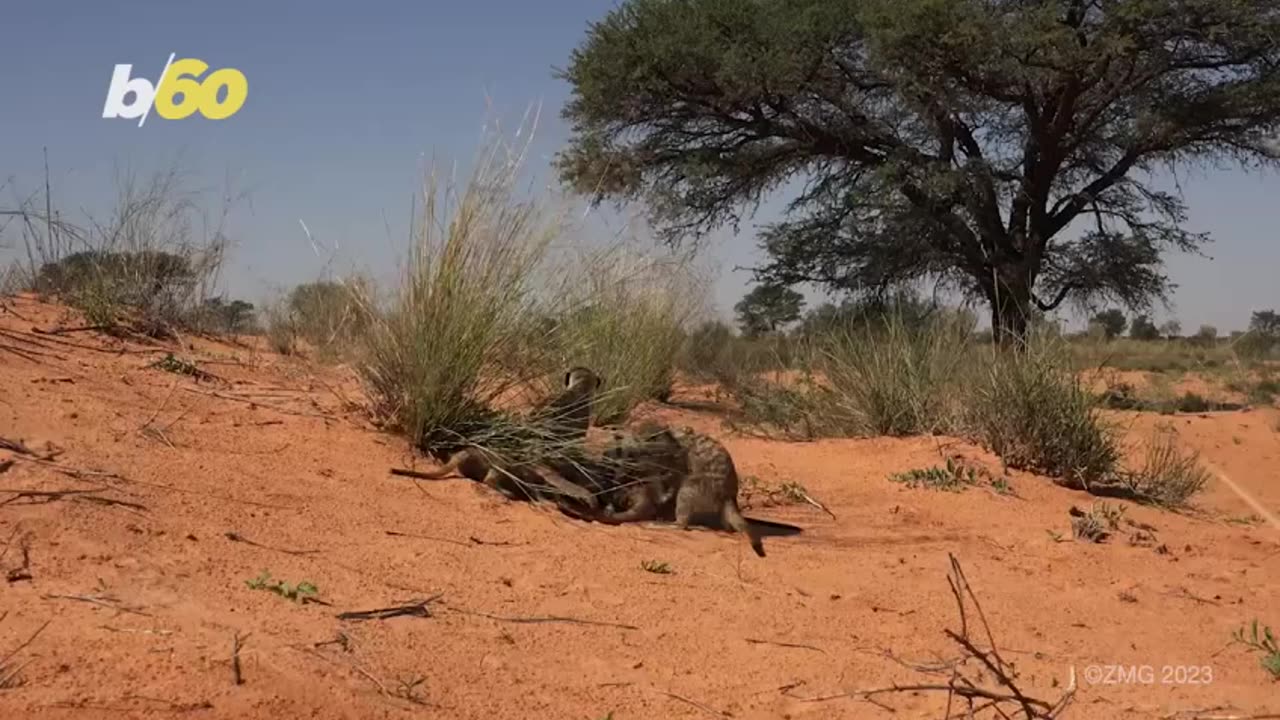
122	85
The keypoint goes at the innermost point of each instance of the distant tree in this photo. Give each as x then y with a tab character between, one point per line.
1263	335
1265	323
1111	321
1004	147
904	305
1171	329
767	308
1206	336
233	317
1143	329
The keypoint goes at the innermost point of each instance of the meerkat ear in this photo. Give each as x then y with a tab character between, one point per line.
568	378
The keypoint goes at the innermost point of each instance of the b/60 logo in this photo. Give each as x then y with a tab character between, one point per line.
177	93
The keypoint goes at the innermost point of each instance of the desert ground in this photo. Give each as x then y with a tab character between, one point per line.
140	506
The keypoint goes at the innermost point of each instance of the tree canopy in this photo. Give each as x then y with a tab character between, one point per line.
1003	147
767	308
1111	321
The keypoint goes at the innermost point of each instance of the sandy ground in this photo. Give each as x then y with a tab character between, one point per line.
138	605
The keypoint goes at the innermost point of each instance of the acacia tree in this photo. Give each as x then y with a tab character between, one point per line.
1001	146
768	307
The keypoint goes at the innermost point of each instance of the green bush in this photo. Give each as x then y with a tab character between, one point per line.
436	358
1031	408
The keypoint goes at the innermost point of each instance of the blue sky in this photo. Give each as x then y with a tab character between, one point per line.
348	100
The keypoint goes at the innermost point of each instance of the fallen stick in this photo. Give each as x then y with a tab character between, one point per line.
798	646
694	703
269	406
237	537
804	494
544	619
418	608
47	495
105	602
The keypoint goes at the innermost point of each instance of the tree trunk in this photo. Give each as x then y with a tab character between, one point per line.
1009	294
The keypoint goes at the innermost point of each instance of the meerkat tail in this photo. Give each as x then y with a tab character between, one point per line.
449	468
733	518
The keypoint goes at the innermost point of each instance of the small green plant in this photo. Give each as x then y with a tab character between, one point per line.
1001	486
301	592
952	478
178	366
1261	640
1096	525
656	567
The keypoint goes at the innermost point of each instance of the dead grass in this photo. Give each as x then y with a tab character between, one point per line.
148	267
1168	477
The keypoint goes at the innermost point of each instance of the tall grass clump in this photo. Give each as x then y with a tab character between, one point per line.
890	377
862	377
434	358
1168	477
1030	408
624	317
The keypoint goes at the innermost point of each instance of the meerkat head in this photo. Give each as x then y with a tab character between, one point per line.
579	375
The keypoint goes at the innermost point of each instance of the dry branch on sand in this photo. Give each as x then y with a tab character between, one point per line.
1005	700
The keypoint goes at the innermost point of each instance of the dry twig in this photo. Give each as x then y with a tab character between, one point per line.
1005	701
237	537
413	608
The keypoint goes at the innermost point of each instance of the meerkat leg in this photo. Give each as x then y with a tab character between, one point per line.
565	487
685	505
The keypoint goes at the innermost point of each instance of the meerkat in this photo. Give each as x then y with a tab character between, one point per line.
569	416
675	471
569	412
523	481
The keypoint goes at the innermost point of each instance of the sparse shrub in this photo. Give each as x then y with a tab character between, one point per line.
707	350
330	316
1167	477
952	478
232	318
141	269
891	378
1030	409
1097	524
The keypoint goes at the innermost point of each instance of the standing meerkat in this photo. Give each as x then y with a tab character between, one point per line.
680	471
569	413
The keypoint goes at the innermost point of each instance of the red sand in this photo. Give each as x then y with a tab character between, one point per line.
849	604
